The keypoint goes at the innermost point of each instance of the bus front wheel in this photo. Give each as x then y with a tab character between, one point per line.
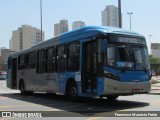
72	92
112	98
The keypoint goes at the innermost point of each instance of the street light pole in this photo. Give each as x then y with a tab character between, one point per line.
119	12
41	17
130	13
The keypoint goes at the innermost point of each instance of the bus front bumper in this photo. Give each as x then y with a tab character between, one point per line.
112	87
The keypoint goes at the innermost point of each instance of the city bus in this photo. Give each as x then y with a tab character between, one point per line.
92	61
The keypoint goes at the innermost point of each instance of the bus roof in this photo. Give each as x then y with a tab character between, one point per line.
90	30
105	29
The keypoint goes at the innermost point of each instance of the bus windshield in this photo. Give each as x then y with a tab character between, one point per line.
128	57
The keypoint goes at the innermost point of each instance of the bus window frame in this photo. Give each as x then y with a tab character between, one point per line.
53	59
38	70
77	57
31	65
21	65
59	66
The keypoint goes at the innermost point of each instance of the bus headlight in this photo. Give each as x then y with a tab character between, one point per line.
111	76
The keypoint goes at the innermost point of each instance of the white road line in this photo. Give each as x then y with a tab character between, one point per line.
9	92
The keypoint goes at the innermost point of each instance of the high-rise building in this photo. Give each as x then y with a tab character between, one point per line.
155	49
110	16
25	37
10	44
4	52
61	27
78	24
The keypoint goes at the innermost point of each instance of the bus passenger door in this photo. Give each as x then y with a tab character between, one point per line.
89	67
14	73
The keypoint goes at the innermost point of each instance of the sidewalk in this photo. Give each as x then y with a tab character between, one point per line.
156	77
155	88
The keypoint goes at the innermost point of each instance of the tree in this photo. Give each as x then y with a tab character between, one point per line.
154	60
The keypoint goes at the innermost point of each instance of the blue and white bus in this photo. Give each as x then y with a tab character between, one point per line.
91	61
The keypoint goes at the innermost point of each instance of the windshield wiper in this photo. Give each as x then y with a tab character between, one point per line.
137	61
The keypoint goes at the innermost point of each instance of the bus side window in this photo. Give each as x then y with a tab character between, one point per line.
31	60
21	61
40	61
61	58
73	57
50	60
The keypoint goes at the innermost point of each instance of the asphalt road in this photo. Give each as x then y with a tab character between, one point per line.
58	106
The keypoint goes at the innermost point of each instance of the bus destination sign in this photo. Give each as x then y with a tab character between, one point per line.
127	39
131	40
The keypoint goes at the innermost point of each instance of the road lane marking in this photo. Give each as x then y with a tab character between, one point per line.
7	118
23	105
9	92
4	106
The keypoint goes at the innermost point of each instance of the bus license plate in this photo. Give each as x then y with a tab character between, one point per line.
135	90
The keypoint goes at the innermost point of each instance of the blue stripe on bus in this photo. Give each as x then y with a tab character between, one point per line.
130	76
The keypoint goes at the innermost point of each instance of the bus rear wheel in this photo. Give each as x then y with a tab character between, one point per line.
22	89
72	92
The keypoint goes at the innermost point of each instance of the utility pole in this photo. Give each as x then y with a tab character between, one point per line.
41	18
119	11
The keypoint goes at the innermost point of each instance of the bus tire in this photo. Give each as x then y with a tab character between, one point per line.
72	91
22	89
112	97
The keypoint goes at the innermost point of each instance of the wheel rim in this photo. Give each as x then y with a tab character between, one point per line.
22	88
73	91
